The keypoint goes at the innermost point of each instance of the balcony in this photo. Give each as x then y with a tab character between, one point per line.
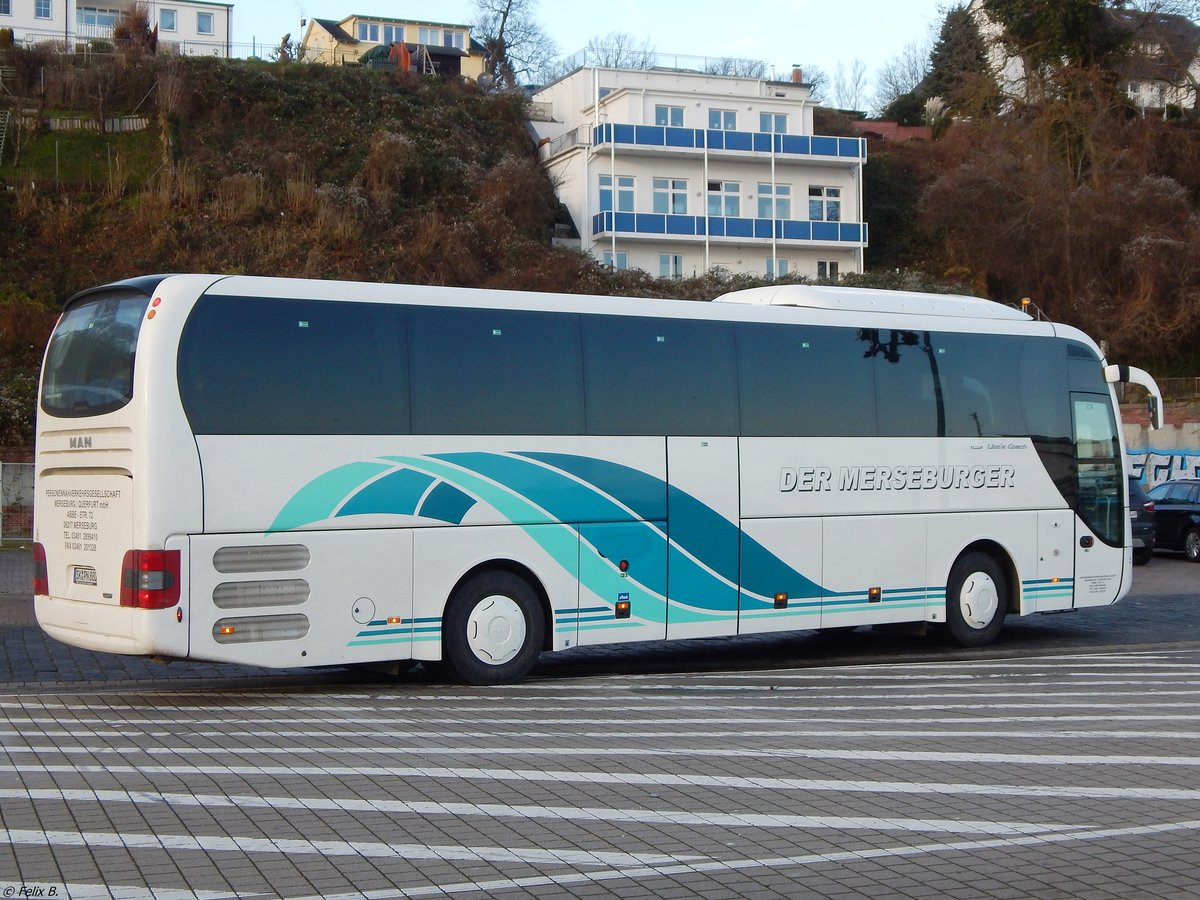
659	138
657	225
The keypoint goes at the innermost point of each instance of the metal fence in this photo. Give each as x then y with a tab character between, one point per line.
16	503
1179	388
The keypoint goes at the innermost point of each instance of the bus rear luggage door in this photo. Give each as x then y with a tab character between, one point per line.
702	524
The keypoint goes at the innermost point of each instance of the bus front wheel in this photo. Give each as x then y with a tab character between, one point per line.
493	629
976	600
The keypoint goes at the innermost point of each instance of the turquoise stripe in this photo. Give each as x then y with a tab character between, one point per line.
318	499
645	494
396	494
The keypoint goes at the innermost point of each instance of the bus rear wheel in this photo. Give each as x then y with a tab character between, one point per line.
976	600
492	630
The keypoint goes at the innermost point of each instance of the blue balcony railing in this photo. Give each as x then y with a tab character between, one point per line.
796	145
651	224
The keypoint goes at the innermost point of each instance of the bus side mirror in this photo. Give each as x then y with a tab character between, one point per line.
1134	375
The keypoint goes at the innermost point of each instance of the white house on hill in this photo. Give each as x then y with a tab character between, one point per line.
678	172
195	27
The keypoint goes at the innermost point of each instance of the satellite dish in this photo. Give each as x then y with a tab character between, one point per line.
486	80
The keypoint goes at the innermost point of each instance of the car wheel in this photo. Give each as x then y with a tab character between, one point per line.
1142	555
492	630
1191	545
976	600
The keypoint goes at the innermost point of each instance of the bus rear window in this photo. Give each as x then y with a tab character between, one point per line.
89	364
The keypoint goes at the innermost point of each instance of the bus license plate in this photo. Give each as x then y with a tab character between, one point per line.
82	575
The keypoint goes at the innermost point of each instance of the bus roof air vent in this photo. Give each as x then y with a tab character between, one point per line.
877	301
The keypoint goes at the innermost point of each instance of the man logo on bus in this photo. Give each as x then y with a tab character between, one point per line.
81	443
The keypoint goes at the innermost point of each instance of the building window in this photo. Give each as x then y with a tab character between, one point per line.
441	37
204	23
41	9
670	196
824	204
166	20
368	31
722	119
774	201
393	34
776	267
827	269
724	198
618	260
772	123
624	193
669	115
92	17
670	265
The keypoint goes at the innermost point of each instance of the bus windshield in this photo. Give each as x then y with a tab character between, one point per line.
89	363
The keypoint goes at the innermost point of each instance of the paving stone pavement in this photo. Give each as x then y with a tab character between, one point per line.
1059	764
1065	777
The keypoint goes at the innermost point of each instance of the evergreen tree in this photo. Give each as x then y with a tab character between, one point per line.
1076	33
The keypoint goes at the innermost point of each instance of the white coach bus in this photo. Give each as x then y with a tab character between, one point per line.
302	473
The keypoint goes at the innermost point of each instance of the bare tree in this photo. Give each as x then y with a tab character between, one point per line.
518	49
902	73
850	85
732	65
817	80
620	50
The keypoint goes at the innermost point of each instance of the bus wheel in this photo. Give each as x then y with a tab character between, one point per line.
492	630
976	600
1191	545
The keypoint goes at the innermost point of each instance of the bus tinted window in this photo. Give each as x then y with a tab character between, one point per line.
272	366
89	363
488	371
786	385
980	390
906	401
659	376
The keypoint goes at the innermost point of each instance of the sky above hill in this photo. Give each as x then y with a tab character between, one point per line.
782	33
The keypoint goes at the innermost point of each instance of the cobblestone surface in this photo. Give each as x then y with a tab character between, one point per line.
1057	763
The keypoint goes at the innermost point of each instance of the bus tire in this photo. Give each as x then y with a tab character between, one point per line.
976	600
1191	545
492	630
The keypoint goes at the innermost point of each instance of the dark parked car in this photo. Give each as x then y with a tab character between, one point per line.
1141	519
1177	516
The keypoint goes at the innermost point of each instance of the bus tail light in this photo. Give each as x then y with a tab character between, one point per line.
41	578
150	579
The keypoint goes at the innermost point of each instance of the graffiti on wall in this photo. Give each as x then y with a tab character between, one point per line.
1156	466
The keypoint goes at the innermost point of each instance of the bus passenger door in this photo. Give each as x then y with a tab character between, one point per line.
1102	522
702	524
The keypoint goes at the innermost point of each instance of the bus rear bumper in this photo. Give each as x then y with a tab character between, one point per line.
103	627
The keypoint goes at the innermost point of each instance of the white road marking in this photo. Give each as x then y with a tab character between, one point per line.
559	813
654	779
366	849
843	754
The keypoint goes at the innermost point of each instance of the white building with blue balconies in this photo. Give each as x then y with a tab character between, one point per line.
679	172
